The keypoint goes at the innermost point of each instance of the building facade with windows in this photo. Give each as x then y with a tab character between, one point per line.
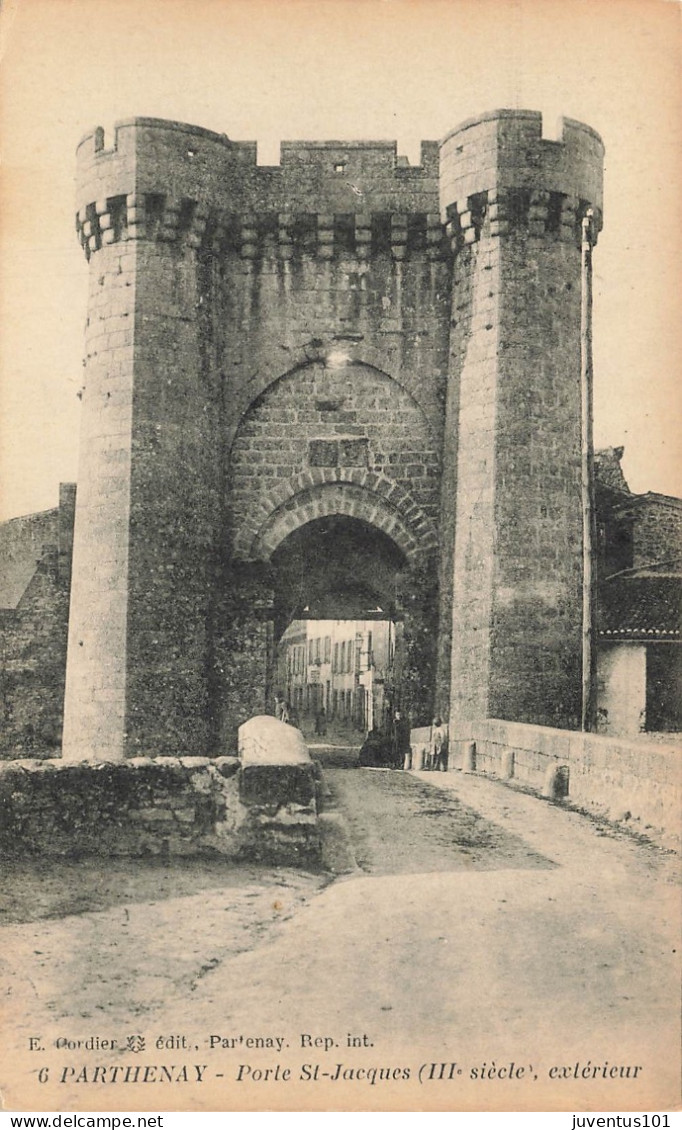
344	667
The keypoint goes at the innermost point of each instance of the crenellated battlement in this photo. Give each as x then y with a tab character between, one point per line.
355	155
501	167
193	169
188	185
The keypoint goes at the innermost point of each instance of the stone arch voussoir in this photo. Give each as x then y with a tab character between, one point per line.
353	492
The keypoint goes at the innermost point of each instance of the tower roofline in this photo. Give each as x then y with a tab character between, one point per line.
535	116
96	135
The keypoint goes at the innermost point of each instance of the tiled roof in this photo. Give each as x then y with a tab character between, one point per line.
640	608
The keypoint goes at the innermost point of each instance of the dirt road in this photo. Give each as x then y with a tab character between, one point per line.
481	927
401	825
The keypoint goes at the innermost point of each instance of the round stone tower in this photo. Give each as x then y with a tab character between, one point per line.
511	572
146	515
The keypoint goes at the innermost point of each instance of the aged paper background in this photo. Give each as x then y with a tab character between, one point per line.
354	69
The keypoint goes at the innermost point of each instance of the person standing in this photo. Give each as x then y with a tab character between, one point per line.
400	740
439	746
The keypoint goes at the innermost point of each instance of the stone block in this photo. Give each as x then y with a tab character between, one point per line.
227	766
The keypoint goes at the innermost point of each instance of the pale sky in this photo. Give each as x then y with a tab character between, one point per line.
274	70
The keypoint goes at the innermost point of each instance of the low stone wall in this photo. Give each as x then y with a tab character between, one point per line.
420	744
239	808
144	806
639	782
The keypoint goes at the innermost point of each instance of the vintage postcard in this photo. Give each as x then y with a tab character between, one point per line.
340	556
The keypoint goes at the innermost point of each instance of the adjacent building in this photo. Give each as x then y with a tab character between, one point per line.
344	667
638	654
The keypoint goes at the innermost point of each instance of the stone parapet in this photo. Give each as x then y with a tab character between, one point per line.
199	181
279	784
637	783
143	806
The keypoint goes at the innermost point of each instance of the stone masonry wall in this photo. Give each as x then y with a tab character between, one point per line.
638	782
536	636
95	703
317	417
33	635
171	806
657	531
289	298
513	204
174	518
174	806
21	545
33	667
468	515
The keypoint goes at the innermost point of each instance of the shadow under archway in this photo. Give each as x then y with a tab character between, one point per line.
336	568
338	636
332	568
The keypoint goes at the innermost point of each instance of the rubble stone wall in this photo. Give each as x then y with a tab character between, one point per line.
657	532
174	806
35	558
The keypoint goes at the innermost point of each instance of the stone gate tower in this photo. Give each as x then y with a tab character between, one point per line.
341	359
513	203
